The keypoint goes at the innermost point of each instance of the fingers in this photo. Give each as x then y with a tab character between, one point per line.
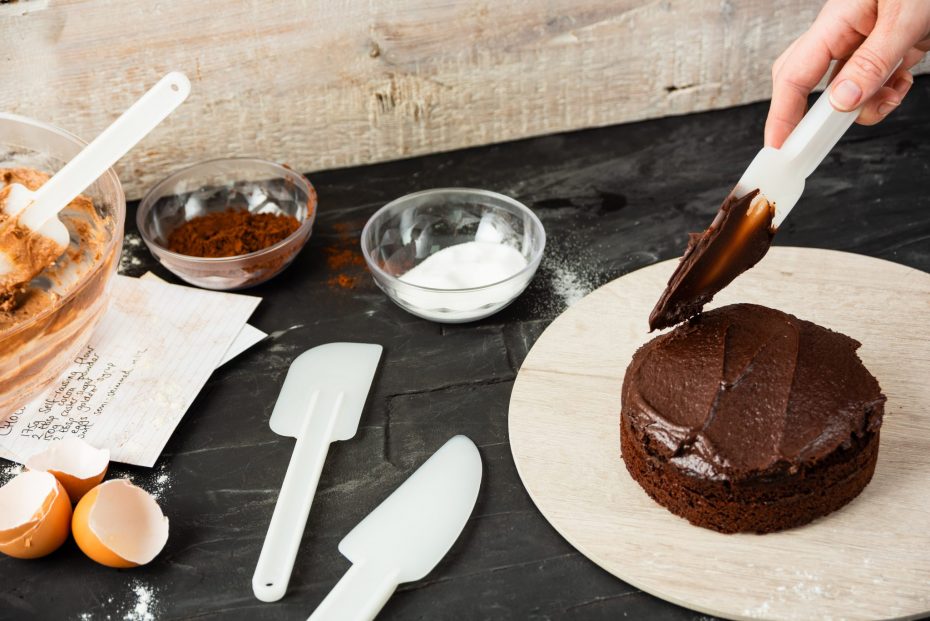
866	71
839	32
913	56
889	97
776	66
797	72
801	67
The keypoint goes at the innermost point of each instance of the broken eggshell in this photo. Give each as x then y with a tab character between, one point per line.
35	512
76	464
119	525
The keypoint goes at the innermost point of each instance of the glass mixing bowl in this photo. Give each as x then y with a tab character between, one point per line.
35	348
403	233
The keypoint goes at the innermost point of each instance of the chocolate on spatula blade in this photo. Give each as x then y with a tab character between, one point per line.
737	239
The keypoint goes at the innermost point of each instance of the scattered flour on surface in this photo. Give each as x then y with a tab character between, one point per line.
568	285
570	278
8	471
157	483
129	257
568	272
162	483
278	348
141	604
279	333
142	609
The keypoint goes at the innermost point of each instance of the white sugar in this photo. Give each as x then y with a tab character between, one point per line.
455	281
466	266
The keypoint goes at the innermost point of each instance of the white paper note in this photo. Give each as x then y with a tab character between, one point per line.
248	336
146	361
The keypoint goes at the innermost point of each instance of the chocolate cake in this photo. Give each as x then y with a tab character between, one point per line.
747	419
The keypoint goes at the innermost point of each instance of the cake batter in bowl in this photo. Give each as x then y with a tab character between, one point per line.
50	323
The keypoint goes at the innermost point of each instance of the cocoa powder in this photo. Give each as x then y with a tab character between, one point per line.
230	233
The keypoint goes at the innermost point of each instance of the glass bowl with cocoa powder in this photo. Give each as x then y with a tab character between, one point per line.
228	223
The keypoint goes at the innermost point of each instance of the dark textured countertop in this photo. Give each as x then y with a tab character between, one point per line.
612	200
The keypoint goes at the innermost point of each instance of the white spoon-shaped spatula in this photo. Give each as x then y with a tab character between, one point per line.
321	402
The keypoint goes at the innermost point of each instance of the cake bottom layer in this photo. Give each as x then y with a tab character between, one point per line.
763	505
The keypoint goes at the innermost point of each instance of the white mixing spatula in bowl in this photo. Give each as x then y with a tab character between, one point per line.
37	211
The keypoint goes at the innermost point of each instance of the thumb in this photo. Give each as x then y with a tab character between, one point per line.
868	68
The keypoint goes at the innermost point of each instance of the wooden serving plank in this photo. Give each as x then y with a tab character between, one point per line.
869	560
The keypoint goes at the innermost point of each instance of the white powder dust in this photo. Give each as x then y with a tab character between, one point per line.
140	604
142	608
162	483
132	247
8	471
570	277
157	483
568	285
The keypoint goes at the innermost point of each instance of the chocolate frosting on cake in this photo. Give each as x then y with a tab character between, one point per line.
744	390
737	239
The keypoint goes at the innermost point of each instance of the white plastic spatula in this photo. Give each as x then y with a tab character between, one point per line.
407	534
779	174
321	402
38	211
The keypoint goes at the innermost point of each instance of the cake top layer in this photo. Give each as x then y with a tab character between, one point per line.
745	390
737	239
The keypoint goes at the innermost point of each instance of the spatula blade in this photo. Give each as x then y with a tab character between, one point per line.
415	526
322	380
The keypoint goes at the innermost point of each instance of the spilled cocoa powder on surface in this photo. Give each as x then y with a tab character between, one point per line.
345	258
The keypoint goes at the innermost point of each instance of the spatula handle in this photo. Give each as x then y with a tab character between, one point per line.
818	132
359	595
273	571
112	144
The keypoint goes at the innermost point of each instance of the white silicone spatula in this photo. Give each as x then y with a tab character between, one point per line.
321	402
37	211
779	174
407	534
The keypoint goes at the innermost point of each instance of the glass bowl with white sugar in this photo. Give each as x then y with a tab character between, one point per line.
453	255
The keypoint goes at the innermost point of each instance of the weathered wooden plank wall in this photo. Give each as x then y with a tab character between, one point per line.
324	83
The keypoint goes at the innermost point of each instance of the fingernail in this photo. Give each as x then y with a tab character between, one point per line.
845	95
887	106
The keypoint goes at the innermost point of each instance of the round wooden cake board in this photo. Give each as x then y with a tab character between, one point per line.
869	560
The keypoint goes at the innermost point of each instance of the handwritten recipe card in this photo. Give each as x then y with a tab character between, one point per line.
248	336
146	361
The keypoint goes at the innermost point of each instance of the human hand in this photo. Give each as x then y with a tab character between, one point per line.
868	38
